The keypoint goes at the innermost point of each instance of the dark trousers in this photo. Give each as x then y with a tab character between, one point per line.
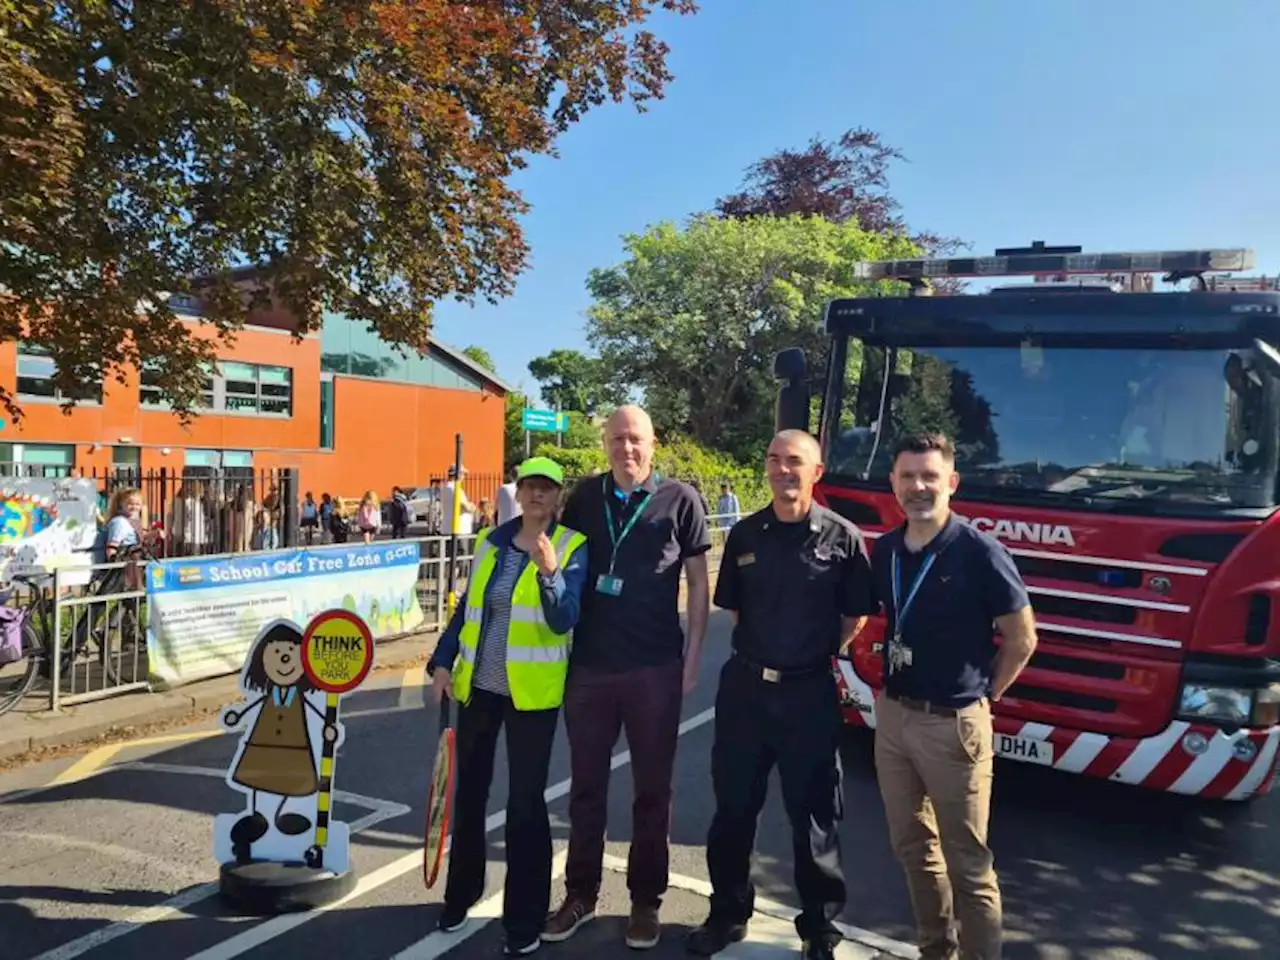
527	895
597	705
795	724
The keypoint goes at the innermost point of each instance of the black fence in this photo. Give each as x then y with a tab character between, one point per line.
196	511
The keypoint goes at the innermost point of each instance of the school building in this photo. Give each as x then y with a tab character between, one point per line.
341	406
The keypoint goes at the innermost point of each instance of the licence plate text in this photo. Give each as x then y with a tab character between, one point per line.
1024	749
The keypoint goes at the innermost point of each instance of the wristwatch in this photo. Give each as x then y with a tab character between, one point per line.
547	581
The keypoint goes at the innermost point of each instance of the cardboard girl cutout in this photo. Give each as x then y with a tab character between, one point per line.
277	766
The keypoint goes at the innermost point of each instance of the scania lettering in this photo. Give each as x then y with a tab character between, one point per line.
1024	532
1122	438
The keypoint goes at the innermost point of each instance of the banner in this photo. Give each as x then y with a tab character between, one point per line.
48	522
205	614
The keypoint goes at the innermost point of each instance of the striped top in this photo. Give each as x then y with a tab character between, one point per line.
491	657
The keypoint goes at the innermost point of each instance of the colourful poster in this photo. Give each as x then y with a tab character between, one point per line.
204	615
48	522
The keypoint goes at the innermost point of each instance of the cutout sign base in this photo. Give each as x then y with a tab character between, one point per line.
282	852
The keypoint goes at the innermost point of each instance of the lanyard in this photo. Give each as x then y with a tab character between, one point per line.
900	608
614	536
282	698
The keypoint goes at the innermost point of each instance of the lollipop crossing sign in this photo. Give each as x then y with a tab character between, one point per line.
337	651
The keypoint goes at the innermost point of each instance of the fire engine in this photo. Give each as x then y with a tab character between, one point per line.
1124	444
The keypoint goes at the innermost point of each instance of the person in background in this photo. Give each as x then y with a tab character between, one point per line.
945	588
326	518
631	665
508	505
122	535
727	507
467	509
309	518
369	516
401	513
484	516
267	536
504	657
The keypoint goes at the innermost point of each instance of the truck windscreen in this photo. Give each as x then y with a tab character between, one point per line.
1187	430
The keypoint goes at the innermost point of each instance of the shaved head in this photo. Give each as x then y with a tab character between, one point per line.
629	442
630	416
793	465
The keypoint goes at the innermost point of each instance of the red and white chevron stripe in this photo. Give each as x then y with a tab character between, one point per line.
1157	763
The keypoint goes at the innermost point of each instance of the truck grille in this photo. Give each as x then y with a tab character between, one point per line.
1083	609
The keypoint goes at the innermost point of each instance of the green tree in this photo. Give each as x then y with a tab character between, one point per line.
694	316
481	356
571	380
359	152
513	440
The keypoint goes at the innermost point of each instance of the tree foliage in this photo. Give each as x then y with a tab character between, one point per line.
358	150
846	179
480	356
694	316
571	380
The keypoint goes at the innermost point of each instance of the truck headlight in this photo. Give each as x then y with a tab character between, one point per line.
1232	706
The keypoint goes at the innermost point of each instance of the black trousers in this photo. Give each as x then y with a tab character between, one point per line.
797	726
527	895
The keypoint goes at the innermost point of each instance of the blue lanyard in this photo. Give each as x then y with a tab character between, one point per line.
899	608
614	536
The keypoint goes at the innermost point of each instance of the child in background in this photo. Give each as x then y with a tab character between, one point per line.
369	516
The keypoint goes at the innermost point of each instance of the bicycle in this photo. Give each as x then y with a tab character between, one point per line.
38	638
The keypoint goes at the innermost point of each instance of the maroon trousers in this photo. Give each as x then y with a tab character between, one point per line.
597	705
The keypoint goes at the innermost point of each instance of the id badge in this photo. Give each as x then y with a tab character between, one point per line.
608	585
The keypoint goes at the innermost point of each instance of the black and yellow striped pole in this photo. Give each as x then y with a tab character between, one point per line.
337	654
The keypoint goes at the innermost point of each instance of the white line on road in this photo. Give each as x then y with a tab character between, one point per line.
174	906
437	944
277	926
780	911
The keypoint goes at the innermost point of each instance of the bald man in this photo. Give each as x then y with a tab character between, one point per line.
630	667
797	579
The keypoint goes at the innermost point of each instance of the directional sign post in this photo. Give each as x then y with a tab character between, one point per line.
543	421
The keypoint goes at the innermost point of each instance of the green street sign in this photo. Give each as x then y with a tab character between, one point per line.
545	421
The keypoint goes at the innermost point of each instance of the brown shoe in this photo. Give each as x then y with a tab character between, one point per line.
643	930
564	923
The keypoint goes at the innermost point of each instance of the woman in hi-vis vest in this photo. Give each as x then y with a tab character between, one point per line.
504	658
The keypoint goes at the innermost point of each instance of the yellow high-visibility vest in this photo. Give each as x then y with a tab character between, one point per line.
537	656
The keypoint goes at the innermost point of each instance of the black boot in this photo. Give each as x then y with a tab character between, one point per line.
714	935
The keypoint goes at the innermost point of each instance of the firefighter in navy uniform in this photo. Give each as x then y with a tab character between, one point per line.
797	579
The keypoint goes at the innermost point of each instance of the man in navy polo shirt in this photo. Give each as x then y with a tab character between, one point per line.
942	585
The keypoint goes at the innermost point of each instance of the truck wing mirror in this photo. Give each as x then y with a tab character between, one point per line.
793	396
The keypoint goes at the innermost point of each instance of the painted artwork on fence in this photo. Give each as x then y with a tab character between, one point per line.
204	615
47	522
293	681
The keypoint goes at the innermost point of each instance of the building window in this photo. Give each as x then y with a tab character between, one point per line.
326	414
228	464
236	388
349	347
126	463
35	378
37	459
150	394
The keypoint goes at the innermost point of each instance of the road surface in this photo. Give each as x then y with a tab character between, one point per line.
109	856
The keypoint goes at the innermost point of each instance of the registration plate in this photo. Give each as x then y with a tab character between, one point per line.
1024	749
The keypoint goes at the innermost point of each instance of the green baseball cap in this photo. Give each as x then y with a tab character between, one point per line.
541	467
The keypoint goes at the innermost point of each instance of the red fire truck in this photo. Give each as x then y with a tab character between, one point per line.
1125	448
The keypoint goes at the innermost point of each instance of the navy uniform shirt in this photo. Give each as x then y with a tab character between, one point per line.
791	583
640	627
949	627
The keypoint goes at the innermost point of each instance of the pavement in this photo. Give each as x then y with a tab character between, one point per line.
108	855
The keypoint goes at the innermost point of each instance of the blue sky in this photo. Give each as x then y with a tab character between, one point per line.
1138	125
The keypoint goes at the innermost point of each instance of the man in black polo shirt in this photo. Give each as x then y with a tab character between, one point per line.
630	666
942	585
798	582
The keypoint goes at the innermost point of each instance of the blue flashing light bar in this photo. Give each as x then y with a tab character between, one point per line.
1040	262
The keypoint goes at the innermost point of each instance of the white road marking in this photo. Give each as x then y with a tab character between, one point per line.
178	905
413	691
437	944
277	926
780	911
